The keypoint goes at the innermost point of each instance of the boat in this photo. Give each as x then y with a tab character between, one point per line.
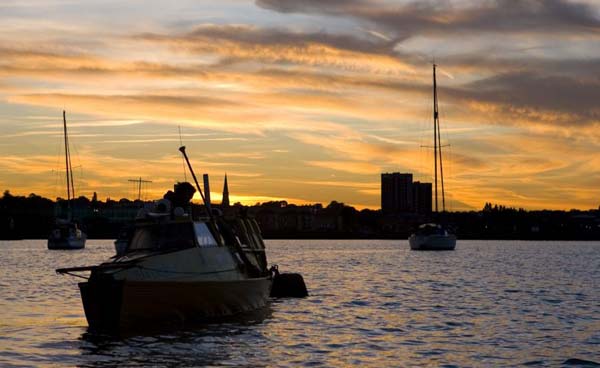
433	236
67	233
178	267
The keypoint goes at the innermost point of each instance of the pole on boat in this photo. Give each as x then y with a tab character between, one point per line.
207	190
435	137
66	156
68	167
439	143
187	160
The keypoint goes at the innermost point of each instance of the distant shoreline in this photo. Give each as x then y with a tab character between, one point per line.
32	217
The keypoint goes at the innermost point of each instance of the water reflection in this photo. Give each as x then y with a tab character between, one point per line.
372	303
231	341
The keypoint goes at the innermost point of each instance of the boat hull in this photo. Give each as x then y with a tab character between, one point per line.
432	242
116	306
66	243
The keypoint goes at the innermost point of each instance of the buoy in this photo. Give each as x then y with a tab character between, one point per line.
288	285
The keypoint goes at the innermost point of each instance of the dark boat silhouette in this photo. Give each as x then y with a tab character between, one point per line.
66	233
177	267
434	236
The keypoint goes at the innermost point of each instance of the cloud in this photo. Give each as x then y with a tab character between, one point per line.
545	98
251	35
195	110
242	43
436	17
354	148
353	167
156	140
567	96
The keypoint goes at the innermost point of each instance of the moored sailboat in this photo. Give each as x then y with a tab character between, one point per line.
434	236
66	233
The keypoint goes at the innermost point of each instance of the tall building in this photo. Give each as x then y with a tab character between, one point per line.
396	192
400	194
422	197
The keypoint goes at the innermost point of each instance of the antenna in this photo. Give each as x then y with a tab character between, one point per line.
182	158
139	182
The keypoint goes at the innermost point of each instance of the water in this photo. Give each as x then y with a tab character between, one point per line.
372	303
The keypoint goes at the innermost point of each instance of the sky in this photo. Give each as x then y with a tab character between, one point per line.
304	100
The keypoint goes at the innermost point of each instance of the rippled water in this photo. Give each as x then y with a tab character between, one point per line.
372	303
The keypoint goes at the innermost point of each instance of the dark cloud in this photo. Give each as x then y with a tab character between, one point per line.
279	37
248	35
310	6
425	17
493	64
524	94
560	99
513	98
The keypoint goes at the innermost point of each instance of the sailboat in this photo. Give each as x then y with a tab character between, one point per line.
66	233
433	236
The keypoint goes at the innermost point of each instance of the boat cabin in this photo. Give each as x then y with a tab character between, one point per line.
431	229
171	235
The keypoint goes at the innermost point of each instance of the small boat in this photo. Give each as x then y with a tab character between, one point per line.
66	233
177	267
434	236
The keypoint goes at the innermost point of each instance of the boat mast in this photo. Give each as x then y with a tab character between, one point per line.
435	137
67	166
71	171
439	139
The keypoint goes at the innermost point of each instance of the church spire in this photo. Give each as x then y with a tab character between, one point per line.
225	201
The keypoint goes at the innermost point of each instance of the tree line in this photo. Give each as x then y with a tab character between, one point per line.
32	217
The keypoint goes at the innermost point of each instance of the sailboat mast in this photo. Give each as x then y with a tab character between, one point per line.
67	164
439	139
435	137
71	171
441	170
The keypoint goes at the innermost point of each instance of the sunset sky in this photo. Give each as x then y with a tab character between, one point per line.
304	100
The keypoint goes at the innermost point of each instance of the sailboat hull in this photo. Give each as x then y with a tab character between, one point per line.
432	242
117	306
67	243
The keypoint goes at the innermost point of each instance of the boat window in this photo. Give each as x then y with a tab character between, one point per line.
164	236
205	238
143	238
176	236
